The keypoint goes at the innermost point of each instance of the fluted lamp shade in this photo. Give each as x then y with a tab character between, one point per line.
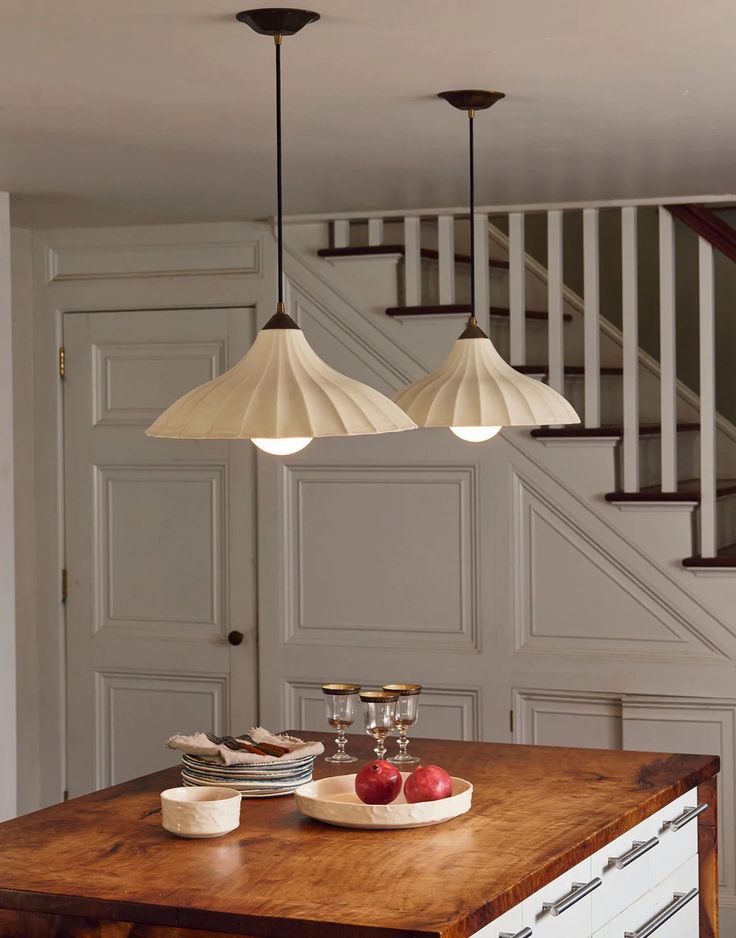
280	395
475	393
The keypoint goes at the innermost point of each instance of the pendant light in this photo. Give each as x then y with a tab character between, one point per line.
281	394
474	391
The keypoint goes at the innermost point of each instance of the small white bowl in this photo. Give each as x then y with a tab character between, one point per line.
333	801
200	812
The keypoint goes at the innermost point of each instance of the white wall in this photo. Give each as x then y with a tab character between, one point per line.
8	784
28	672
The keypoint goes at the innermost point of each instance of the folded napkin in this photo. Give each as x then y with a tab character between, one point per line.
198	745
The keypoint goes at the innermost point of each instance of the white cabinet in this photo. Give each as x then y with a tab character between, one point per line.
642	875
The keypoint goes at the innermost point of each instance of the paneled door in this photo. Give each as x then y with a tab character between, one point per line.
160	544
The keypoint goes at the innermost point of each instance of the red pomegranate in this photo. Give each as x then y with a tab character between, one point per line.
378	782
427	783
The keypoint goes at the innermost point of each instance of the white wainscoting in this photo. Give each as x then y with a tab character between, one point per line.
158	701
610	609
363	547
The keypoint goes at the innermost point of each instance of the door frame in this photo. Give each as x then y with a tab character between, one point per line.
216	265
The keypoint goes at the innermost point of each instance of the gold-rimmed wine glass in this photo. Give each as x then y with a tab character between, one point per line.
341	702
407	714
379	710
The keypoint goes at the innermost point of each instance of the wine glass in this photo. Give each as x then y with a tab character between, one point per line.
407	710
379	710
340	702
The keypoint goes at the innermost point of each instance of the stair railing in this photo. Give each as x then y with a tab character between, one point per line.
711	231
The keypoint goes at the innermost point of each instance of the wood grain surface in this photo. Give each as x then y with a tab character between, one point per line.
537	811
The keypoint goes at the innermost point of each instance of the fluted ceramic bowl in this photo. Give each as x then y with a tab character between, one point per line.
333	801
204	811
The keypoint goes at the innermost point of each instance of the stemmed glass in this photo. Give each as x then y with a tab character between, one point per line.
379	710
340	701
407	710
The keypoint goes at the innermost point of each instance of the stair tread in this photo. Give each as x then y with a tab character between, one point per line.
614	431
462	309
687	491
376	250
725	557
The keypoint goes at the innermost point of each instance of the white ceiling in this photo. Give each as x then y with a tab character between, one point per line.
162	110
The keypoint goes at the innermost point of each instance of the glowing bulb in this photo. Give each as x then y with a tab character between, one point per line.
283	446
475	434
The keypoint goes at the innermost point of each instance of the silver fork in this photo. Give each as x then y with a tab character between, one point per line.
228	741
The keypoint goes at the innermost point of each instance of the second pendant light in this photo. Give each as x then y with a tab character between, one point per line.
474	392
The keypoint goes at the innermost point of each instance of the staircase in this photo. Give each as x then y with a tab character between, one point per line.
672	451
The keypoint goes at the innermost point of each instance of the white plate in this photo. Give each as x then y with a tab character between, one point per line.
254	794
333	800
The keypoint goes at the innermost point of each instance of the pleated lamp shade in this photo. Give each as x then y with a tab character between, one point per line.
474	387
280	389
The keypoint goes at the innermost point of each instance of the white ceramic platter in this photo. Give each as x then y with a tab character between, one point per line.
333	800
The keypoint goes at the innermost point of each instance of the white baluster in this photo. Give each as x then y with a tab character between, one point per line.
591	321
341	233
630	317
482	279
412	261
667	350
708	536
517	296
555	302
375	232
446	248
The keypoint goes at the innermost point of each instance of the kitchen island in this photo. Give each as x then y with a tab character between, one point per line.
558	842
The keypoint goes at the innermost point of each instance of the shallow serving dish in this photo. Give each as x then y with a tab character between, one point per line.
201	811
333	800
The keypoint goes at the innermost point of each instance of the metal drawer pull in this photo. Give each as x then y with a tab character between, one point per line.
579	891
524	933
687	815
679	901
638	849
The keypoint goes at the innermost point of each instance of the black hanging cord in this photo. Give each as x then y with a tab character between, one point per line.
279	182
471	148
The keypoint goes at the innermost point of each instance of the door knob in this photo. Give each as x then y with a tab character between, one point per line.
235	638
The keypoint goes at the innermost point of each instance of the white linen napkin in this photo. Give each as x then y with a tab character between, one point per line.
197	744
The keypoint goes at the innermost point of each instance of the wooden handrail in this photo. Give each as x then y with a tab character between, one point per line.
709	226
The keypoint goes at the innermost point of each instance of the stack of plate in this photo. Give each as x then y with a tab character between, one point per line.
252	780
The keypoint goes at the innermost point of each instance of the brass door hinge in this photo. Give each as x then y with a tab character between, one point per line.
62	361
64	585
511	720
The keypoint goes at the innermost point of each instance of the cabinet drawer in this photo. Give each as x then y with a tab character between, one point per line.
574	921
510	923
624	867
676	846
682	924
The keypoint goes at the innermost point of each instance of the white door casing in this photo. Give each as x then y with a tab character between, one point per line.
8	785
160	540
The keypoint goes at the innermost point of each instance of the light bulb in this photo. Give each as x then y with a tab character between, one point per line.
475	434
282	446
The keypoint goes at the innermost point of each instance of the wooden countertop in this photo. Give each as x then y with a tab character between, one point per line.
536	812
